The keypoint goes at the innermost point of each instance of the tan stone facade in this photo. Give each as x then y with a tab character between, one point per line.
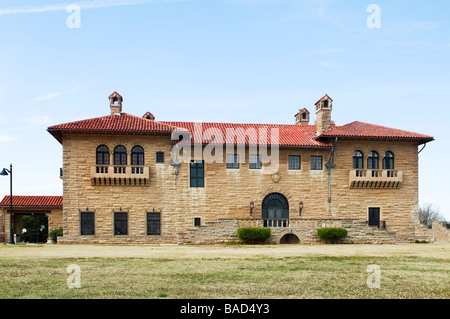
315	179
227	192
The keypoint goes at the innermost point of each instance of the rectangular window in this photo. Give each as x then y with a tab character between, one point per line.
197	174
233	161
294	162
87	223
197	221
316	163
153	224
255	161
120	223
159	157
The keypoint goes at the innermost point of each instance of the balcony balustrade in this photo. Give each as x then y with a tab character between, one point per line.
120	175
375	178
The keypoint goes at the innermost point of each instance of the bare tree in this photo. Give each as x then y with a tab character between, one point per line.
428	214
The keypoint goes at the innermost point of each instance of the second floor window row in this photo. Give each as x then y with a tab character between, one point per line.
373	160
120	156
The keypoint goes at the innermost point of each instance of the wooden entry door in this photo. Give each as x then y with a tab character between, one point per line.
374	216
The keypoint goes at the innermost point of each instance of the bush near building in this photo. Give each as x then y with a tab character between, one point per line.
332	233
253	235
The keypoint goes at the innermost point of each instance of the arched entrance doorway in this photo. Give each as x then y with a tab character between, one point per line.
290	239
275	210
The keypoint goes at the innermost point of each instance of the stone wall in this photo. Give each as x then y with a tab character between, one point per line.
227	192
441	232
224	231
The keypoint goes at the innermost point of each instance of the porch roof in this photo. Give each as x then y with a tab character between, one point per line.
32	201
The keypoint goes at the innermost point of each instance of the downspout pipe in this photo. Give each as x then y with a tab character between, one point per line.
422	148
329	166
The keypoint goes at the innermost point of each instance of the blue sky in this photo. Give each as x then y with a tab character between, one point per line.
256	61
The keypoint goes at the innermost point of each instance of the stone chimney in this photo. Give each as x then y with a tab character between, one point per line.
115	102
149	116
302	117
323	113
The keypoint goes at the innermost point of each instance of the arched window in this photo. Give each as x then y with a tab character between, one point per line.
102	155
137	155
388	160
120	155
358	160
275	208
372	160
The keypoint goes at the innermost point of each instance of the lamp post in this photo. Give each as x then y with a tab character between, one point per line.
5	172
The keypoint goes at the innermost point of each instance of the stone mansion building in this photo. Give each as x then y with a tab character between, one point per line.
133	179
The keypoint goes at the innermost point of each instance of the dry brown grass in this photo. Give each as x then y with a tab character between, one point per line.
332	271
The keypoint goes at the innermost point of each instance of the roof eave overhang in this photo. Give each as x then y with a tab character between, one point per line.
419	140
57	133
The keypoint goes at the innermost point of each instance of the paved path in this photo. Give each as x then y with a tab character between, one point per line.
441	251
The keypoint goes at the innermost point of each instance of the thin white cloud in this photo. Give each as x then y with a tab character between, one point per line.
63	7
8	138
55	94
46	97
40	120
75	89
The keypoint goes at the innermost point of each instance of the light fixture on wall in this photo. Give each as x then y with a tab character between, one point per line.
300	208
252	205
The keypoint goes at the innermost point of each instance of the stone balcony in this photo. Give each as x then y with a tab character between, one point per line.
120	175
375	178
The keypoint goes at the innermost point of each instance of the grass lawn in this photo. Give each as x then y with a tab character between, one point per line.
39	275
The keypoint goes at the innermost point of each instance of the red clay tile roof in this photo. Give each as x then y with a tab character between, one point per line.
323	97
303	109
288	135
365	130
115	93
33	201
112	123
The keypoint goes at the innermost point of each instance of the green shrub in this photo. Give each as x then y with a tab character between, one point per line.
253	235
54	233
331	233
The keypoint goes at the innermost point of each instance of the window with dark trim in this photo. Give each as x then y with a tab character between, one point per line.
120	223
372	160
358	160
137	155
388	160
159	157
87	223
255	161
233	161
197	221
316	163
294	162
102	155
120	155
153	223
197	174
